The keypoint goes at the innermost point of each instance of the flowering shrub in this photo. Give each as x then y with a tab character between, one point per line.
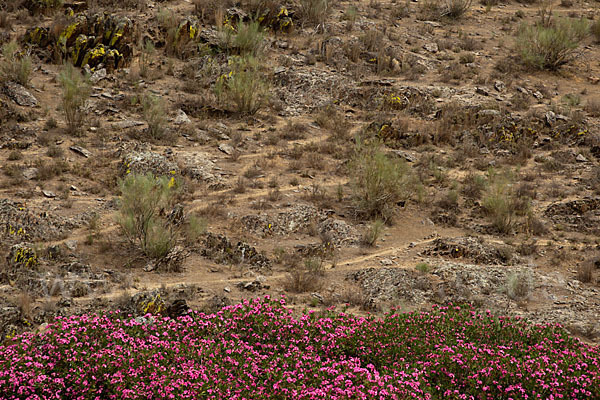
258	350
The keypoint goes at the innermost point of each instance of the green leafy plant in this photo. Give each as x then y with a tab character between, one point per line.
245	38
75	91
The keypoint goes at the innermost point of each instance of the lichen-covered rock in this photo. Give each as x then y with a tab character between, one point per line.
91	39
20	223
200	167
172	262
186	31
20	95
472	248
38	36
144	162
21	256
148	303
275	18
219	249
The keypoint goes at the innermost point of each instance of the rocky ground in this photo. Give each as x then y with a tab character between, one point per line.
449	98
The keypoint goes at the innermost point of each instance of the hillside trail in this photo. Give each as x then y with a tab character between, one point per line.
401	244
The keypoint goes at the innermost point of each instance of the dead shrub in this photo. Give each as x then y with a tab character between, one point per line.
585	272
307	278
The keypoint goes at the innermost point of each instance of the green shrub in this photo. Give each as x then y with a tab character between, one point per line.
146	55
142	198
246	38
423	267
168	22
373	232
194	228
550	47
519	286
155	116
75	91
378	182
15	67
502	202
244	85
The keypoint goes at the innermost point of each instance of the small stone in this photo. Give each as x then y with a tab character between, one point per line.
431	47
81	151
317	296
581	158
405	155
128	123
48	194
550	118
151	266
182	118
227	289
499	86
20	95
30	173
432	23
482	91
488	113
71	244
538	95
226	148
98	75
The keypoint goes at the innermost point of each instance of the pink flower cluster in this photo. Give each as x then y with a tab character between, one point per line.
259	350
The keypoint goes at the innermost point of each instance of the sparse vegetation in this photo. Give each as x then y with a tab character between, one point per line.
423	268
315	11
502	203
155	116
373	232
75	91
305	278
455	8
15	65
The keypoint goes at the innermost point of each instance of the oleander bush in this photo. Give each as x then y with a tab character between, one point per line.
259	350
